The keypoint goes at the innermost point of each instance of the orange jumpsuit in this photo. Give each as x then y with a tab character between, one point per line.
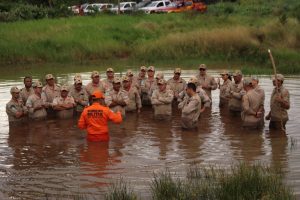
95	118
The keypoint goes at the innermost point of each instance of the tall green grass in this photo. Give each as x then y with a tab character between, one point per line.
221	35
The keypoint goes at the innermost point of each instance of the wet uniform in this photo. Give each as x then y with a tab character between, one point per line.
191	108
12	107
177	86
205	100
209	81
49	93
235	93
24	94
134	100
224	88
107	84
119	97
91	88
33	102
162	103
147	90
82	96
66	113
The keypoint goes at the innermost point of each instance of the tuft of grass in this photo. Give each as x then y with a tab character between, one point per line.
120	190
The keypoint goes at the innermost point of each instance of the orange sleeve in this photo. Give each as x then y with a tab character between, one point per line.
81	122
114	117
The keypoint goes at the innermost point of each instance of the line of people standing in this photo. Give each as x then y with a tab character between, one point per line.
130	93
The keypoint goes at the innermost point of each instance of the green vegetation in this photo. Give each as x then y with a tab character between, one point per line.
120	190
229	35
239	182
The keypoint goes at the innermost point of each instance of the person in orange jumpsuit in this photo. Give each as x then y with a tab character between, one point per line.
95	118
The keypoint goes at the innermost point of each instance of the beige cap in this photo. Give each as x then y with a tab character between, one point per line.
109	69
151	68
64	88
193	79
161	81
37	84
95	73
237	73
77	76
14	90
159	75
177	70
202	66
254	78
78	81
224	72
129	73
117	80
280	77
143	68
49	76
126	78
247	81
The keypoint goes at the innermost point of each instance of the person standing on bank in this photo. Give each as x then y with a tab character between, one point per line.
252	115
280	103
162	100
135	103
235	93
15	109
27	90
206	81
117	98
95	118
64	104
177	84
35	103
80	96
191	108
224	88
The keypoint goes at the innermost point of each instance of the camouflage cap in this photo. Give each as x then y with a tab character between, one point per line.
247	81
78	81
143	68
224	72
151	68
14	90
193	79
254	78
159	75
49	76
237	73
129	73
125	78
117	80
202	66
64	88
279	77
161	81
37	84
94	74
77	76
109	69
177	70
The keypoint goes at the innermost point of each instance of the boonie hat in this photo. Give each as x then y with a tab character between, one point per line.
161	81
193	79
247	81
237	73
49	76
280	77
129	73
14	90
159	75
97	95
224	72
143	68
64	88
117	80
95	73
77	76
202	66
78	81
37	84
126	78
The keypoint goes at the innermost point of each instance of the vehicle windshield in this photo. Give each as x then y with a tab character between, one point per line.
153	4
172	5
143	4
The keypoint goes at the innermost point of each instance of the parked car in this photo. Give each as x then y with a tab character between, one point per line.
103	6
182	6
154	6
74	9
125	7
143	4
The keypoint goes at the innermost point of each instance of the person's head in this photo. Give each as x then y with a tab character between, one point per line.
177	73
151	71
64	91
116	83
194	80
27	81
110	73
255	81
77	76
126	82
202	69
95	77
37	86
224	75
162	85
15	93
159	76
191	89
143	71
78	84
98	96
50	79
278	80
247	83
129	74
237	76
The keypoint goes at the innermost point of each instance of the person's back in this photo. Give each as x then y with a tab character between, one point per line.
95	119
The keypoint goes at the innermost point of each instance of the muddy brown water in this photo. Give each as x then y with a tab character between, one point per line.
52	159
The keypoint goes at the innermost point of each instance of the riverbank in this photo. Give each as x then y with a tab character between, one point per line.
224	37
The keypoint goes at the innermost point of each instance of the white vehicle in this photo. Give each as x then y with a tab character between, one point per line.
124	7
103	6
155	5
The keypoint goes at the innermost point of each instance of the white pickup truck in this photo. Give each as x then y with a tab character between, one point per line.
155	5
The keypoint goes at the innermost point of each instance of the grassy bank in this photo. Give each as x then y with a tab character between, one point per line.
229	34
240	182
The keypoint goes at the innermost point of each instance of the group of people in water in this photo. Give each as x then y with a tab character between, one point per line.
110	99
